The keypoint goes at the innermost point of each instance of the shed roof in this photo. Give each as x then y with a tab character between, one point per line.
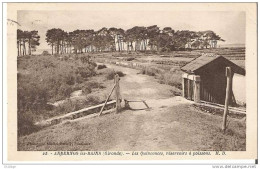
203	61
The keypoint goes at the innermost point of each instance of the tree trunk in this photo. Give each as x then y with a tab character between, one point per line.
121	45
130	46
118	43
51	48
24	48
127	47
61	47
58	47
29	46
64	47
145	44
118	46
20	48
17	48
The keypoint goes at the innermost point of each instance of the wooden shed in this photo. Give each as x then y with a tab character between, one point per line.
205	79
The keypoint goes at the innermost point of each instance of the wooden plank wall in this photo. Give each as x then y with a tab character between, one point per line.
206	94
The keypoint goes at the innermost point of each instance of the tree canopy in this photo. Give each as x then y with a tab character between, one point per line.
29	39
137	38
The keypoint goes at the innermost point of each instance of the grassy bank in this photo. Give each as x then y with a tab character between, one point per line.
176	128
46	79
172	78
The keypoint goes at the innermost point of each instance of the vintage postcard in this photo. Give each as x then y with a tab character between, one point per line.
131	81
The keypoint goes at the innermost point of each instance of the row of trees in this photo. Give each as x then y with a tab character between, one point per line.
116	39
27	41
136	38
79	41
112	39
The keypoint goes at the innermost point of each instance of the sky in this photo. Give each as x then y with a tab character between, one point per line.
229	25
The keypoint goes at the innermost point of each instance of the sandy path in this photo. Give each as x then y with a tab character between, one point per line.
139	86
142	129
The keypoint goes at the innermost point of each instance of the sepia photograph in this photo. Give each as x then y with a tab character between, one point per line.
133	78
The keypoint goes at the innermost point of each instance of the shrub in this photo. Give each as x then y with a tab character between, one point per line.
56	55
152	71
71	106
101	66
26	124
86	89
130	59
120	74
172	78
66	90
111	75
169	78
31	102
85	59
66	57
45	52
85	71
70	79
31	97
88	86
46	79
92	100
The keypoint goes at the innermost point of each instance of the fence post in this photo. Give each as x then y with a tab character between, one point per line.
188	89
117	92
196	88
183	87
106	101
228	89
184	90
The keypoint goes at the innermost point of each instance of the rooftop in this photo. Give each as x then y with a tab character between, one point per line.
200	62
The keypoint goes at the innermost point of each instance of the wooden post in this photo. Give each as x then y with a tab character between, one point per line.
183	87
106	100
117	92
228	89
188	89
127	106
146	104
196	89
